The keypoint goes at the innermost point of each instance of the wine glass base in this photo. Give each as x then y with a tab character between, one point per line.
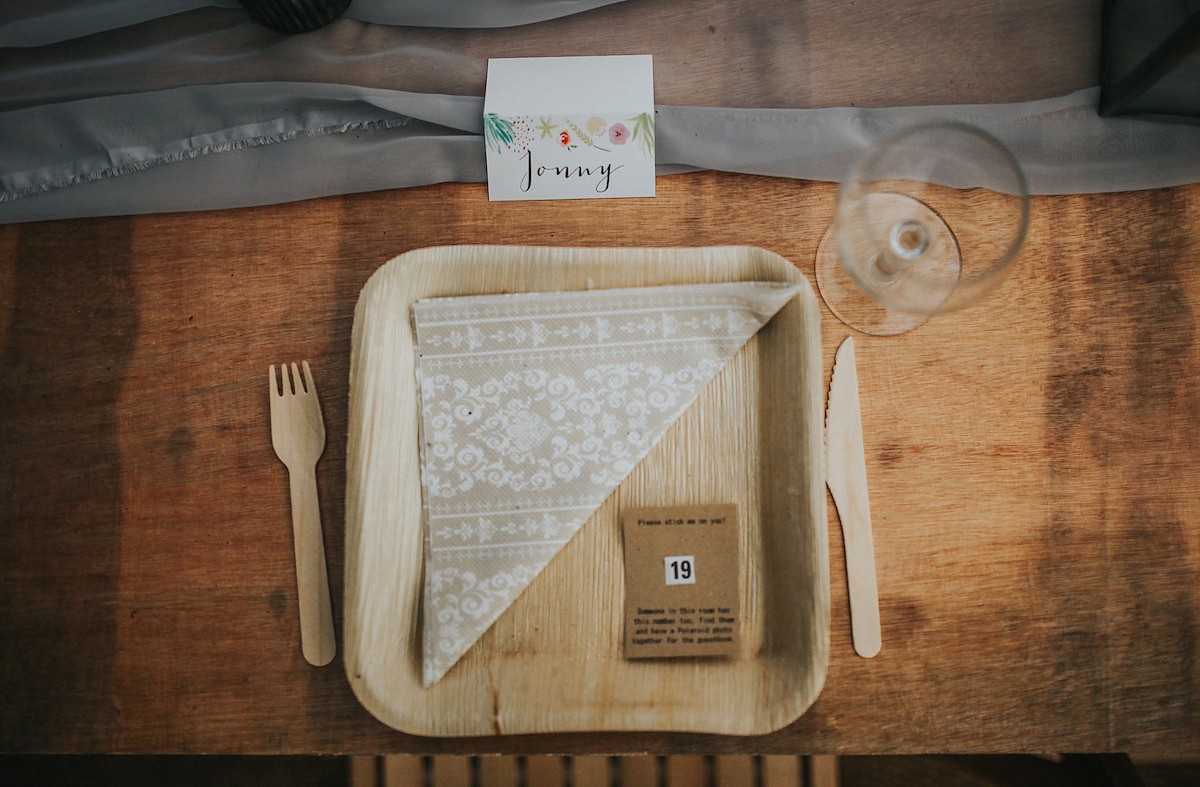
851	304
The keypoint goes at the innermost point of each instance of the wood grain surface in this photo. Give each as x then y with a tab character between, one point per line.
1032	465
555	658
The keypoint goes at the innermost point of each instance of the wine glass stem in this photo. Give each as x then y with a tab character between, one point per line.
907	241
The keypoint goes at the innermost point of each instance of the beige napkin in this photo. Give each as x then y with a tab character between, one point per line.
533	408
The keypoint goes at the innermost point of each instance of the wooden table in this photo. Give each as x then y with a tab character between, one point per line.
1032	464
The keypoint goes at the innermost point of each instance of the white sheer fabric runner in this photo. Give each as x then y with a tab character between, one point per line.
38	22
114	107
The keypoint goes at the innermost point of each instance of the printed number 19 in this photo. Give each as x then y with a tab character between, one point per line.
680	570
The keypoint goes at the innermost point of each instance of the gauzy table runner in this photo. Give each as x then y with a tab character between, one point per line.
101	114
533	408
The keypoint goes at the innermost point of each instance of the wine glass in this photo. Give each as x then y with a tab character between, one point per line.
928	220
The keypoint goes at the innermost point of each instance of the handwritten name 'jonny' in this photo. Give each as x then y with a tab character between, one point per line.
602	172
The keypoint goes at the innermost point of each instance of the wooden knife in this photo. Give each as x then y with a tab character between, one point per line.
846	476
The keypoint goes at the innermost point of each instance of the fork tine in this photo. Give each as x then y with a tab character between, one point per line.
308	380
297	383
276	399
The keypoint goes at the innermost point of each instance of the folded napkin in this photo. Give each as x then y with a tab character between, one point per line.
533	408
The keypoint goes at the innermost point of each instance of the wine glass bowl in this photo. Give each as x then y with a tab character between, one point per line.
929	219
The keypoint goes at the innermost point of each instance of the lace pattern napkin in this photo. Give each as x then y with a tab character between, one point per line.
533	408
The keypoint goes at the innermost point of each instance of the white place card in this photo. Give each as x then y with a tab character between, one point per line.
570	127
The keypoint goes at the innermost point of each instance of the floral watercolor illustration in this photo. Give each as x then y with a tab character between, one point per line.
497	131
643	131
517	134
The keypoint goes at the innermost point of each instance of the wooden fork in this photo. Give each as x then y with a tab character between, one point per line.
298	434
